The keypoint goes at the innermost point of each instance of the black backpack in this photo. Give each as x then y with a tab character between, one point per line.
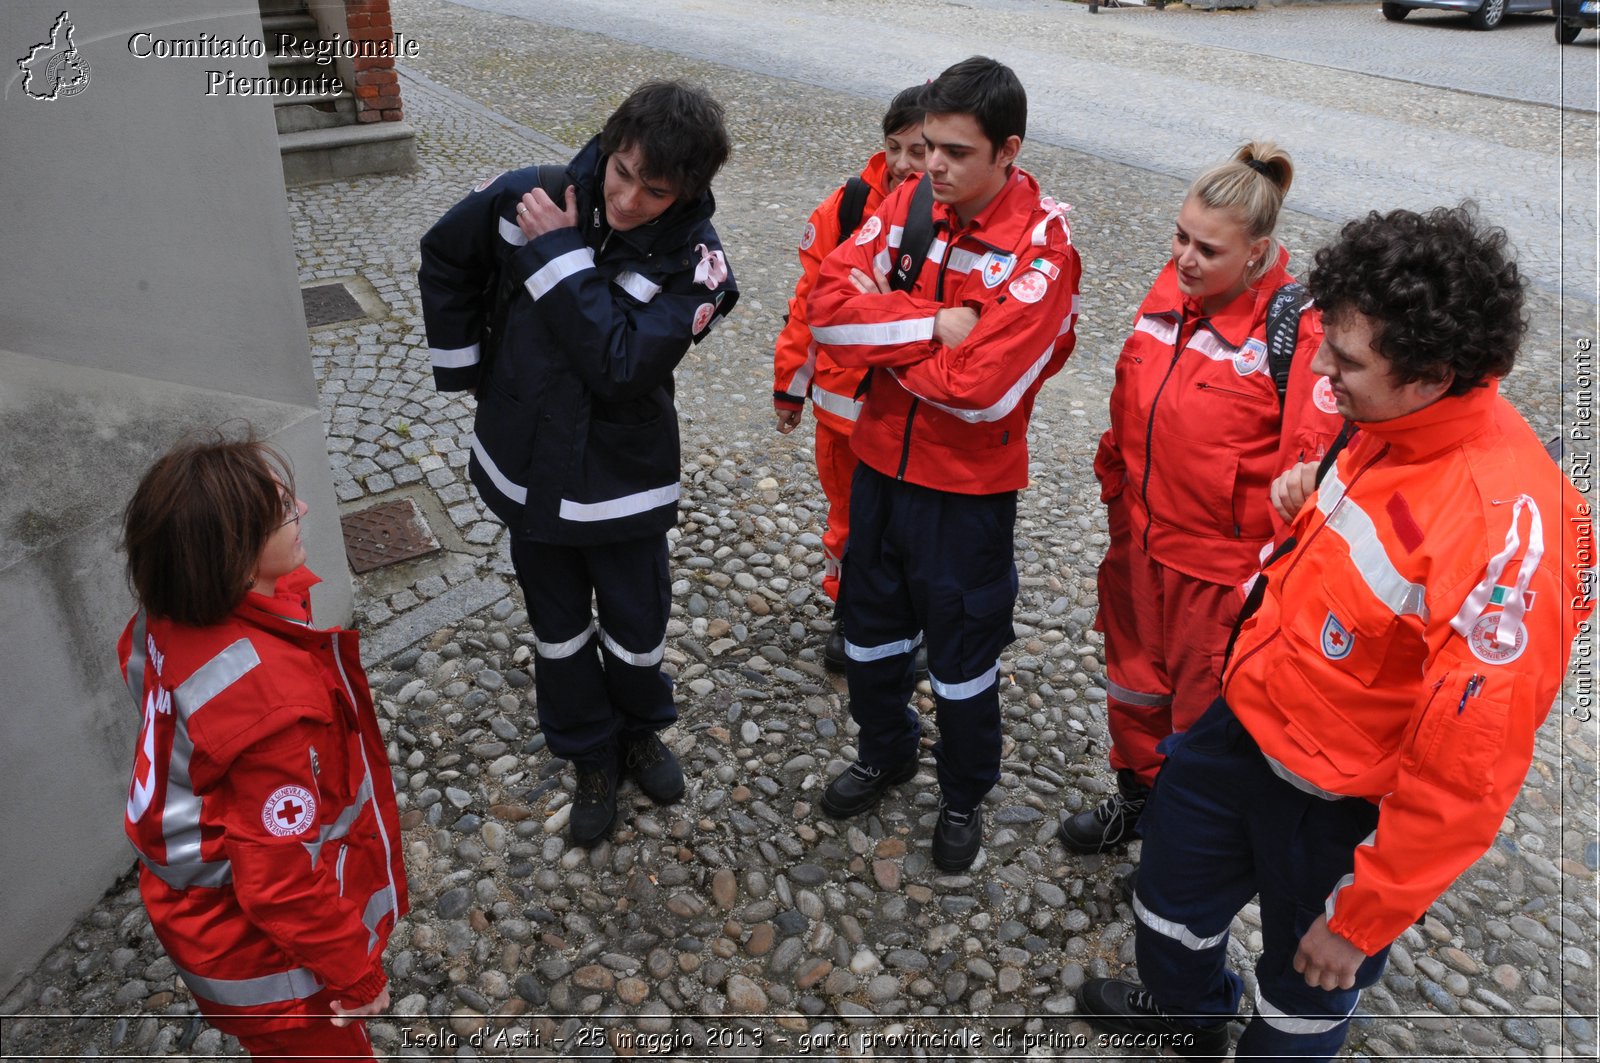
501	289
1283	332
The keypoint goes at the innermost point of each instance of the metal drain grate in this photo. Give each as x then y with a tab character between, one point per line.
329	304
385	534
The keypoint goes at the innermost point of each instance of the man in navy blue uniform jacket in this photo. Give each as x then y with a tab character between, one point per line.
566	300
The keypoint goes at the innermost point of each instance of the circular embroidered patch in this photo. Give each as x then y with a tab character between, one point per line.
290	810
871	229
1322	396
808	237
487	181
702	317
1030	287
1482	641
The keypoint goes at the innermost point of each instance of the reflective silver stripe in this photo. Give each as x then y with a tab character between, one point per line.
516	492
881	334
1135	697
1352	524
626	506
962	261
1176	931
936	249
1338	887
341	826
1211	345
970	689
180	809
641	288
836	404
867	654
1282	1021
557	270
1300	784
1162	328
555	651
882	262
296	984
213	875
458	358
511	233
379	905
1006	403
366	767
638	660
136	659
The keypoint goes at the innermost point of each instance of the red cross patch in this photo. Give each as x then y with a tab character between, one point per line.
290	810
1337	641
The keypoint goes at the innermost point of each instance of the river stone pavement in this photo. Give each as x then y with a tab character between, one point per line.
742	921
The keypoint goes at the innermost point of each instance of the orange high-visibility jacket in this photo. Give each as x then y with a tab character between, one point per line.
1412	641
954	418
262	809
799	368
1198	431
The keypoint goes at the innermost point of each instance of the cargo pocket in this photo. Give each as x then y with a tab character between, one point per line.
986	624
1461	735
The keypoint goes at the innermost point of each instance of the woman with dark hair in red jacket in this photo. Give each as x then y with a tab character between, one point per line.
1203	417
260	805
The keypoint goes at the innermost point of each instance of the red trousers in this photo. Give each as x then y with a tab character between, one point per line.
1165	636
836	463
322	1041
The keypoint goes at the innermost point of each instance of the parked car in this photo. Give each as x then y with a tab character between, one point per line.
1485	14
1574	15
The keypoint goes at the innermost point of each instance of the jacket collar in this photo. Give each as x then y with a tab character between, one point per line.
1233	323
1002	223
1438	426
876	173
288	611
669	234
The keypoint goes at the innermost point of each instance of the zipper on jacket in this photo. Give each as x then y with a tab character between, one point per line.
1299	553
1150	428
1203	386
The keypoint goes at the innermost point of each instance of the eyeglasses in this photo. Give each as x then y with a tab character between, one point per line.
291	511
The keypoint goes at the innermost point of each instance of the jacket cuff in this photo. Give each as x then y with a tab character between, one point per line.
365	990
788	401
459	379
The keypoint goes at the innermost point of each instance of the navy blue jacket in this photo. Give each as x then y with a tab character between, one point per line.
576	436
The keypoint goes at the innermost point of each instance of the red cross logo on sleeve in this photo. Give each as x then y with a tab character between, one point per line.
290	810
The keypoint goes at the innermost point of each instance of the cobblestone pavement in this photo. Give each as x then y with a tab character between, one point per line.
741	921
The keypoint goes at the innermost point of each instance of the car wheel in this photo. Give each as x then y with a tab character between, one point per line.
1566	32
1395	12
1489	15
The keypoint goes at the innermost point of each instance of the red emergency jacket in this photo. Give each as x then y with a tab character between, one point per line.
954	418
798	368
1198	432
1411	643
262	809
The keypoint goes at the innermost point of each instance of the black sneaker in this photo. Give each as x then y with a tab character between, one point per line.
1123	1007
1108	825
594	805
859	787
648	761
834	656
956	838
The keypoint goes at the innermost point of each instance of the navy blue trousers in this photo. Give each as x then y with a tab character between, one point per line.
595	679
1219	828
928	566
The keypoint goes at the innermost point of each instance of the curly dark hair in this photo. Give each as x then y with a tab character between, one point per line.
1442	290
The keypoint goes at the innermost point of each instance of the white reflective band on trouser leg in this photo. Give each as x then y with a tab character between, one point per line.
638	660
1282	1021
868	654
1177	931
1134	697
555	651
296	984
458	358
970	689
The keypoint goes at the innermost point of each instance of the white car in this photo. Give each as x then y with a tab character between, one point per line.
1485	14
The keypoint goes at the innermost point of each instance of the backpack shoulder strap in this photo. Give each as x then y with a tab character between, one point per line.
1283	332
852	204
915	239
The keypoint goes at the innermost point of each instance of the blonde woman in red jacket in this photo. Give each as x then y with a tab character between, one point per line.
260	804
1199	429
